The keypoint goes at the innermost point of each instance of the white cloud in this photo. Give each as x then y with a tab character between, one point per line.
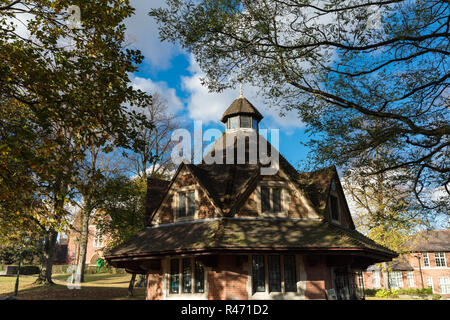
150	86
209	106
142	32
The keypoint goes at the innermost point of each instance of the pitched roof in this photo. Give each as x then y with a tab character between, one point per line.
401	264
156	189
255	234
429	240
241	106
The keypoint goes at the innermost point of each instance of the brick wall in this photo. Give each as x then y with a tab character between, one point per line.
155	286
432	272
229	279
318	277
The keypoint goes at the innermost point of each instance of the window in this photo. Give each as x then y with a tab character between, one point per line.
439	257
265	199
429	282
334	202
271	199
98	238
199	278
174	276
258	274
190	273
410	279
255	124
376	279
290	278
186	204
233	122
246	122
396	279
426	261
279	270
187	275
274	274
444	285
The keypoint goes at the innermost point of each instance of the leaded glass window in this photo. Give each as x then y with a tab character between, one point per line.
290	274
258	275
174	276
265	199
187	275
199	278
274	274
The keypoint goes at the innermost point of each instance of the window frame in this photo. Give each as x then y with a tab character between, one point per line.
267	293
426	260
396	277
284	199
338	206
410	278
193	278
98	239
176	204
441	260
444	284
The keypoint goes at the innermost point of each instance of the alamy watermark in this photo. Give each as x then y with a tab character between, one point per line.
242	146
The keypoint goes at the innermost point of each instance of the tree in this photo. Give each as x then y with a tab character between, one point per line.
385	210
154	158
122	212
360	84
63	89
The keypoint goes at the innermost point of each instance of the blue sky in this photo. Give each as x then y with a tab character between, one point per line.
175	74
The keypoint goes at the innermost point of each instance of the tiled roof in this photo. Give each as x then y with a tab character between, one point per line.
241	106
429	240
254	234
156	189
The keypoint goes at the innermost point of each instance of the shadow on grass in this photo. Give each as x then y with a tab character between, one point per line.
96	287
61	292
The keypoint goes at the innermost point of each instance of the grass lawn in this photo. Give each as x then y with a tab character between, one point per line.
103	286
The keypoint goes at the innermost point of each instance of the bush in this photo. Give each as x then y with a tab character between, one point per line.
370	292
24	270
436	297
414	292
383	293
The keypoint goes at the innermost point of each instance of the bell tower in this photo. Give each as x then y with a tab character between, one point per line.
241	115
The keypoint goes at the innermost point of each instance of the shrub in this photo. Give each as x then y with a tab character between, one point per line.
436	297
370	292
383	293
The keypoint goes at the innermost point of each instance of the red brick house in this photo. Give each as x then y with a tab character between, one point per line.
426	265
225	231
96	244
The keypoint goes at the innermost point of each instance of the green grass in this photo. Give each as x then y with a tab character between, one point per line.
103	286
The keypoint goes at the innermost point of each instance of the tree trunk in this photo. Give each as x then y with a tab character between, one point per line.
45	276
79	274
131	285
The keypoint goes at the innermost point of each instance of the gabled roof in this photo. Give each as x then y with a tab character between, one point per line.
429	241
156	189
246	234
241	106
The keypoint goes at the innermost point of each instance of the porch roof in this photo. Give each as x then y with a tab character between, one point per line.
244	234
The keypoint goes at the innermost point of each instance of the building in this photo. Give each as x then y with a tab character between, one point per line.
425	265
95	245
227	231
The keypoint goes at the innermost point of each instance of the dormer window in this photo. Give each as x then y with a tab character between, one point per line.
272	200
334	206
186	204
